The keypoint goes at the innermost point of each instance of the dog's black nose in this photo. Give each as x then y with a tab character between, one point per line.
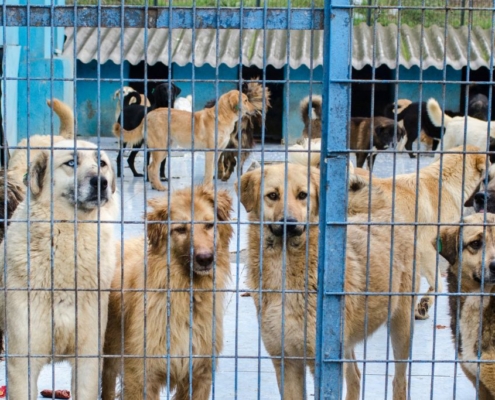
479	198
492	268
204	259
291	227
102	180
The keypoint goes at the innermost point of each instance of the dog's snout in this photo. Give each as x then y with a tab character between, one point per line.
479	198
491	267
102	181
291	227
204	259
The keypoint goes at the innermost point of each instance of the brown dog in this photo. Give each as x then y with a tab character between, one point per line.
294	268
231	106
459	173
208	269
365	139
478	262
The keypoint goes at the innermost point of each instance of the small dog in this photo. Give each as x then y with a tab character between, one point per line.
383	137
300	153
134	112
290	261
125	91
231	106
210	267
476	131
18	163
312	123
249	124
478	107
52	253
478	266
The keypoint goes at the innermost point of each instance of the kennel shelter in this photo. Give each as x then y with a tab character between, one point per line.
246	368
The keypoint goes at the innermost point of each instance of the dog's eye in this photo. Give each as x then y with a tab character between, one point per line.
302	195
70	163
208	226
272	196
181	230
103	163
476	244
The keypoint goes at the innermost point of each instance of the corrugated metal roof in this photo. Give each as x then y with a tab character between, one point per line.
301	52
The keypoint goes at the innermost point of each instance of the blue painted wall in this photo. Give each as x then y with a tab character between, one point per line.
95	99
411	91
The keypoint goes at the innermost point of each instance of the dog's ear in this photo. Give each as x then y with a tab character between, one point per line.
157	229
447	243
249	188
176	90
224	205
37	173
234	100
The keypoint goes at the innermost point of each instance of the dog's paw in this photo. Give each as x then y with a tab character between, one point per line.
163	178
422	309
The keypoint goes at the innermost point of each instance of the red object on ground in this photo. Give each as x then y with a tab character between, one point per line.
3	391
59	394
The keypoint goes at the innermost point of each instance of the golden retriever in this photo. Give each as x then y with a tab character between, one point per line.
208	270
478	262
18	163
52	259
460	175
297	271
231	107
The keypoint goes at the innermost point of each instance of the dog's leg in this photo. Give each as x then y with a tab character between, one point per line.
429	271
130	161
360	159
487	373
371	161
400	332
111	369
119	160
352	376
153	170
293	378
483	392
201	383
133	385
209	166
163	176
19	379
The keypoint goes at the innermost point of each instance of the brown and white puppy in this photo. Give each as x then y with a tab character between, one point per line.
290	260
54	262
312	123
459	175
466	277
484	194
231	106
368	134
209	272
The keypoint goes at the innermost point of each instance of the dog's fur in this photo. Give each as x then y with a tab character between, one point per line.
478	107
478	262
230	109
298	268
300	153
312	123
125	91
249	123
383	136
134	112
389	112
51	254
476	130
484	193
427	185
16	191
210	272
18	163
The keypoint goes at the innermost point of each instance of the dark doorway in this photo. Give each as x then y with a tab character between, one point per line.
273	122
362	93
156	74
481	84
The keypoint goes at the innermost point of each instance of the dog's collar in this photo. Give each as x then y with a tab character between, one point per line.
439	244
236	108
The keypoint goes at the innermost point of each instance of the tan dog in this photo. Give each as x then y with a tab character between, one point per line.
231	106
478	261
52	265
456	179
209	270
296	271
18	163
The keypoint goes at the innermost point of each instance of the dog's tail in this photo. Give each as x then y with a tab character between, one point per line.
435	113
129	97
300	153
316	102
131	137
66	116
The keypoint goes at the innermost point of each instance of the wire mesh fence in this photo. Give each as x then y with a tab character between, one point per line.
247	200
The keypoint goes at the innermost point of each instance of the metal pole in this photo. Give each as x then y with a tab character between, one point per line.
333	213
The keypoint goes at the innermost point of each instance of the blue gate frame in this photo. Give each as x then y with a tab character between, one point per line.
335	20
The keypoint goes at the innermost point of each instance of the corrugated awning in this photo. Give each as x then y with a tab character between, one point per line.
370	47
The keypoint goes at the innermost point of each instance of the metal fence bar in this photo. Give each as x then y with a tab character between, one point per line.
333	207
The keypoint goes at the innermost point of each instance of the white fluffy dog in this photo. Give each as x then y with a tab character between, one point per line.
66	301
476	130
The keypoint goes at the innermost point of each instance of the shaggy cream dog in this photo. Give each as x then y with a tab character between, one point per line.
48	259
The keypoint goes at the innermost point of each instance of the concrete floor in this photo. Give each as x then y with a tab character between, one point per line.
241	374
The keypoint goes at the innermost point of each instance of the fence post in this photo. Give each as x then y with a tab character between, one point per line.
336	67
